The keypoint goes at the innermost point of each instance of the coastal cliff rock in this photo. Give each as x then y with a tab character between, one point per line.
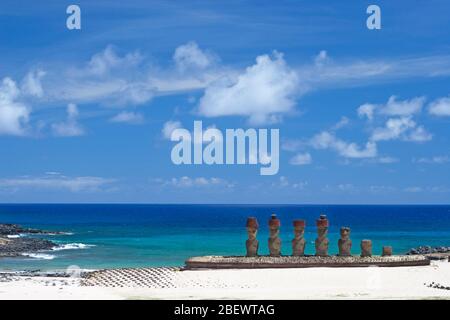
7	229
14	245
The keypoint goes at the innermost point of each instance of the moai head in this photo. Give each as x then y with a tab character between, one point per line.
274	226
252	227
322	224
299	227
345	233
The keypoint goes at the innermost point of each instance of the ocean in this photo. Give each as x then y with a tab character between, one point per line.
137	235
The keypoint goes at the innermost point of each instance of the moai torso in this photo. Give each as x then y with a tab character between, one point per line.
366	248
344	243
298	243
322	240
387	251
274	239
252	243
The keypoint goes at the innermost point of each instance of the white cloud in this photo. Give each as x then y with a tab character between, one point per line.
387	160
262	92
190	56
199	182
393	129
341	124
393	107
31	84
419	134
402	108
56	181
433	160
327	72
367	110
327	140
128	117
440	107
14	115
403	128
283	182
321	59
107	78
168	127
106	61
428	189
301	159
70	127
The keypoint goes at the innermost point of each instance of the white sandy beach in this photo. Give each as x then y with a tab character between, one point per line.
310	283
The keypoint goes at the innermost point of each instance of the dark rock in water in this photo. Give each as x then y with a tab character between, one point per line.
428	250
14	229
16	246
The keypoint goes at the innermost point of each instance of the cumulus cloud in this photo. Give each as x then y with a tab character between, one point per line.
170	126
70	127
31	84
262	92
128	117
403	128
327	140
190	56
14	115
199	182
57	181
367	110
283	182
108	60
107	78
393	107
301	159
440	107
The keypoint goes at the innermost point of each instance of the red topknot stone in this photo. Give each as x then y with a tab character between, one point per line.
274	221
252	222
322	221
299	223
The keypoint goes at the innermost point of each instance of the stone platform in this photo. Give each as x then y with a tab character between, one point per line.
240	262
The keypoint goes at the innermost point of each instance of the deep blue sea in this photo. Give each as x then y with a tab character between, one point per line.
111	235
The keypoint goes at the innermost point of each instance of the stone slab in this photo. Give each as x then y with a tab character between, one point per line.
240	262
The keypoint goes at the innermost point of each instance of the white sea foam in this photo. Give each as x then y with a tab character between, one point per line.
13	236
41	256
72	246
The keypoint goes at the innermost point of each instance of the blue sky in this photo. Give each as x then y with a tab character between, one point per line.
363	114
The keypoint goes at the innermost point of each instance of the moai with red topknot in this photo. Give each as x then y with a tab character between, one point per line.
252	243
274	238
344	243
322	240
298	243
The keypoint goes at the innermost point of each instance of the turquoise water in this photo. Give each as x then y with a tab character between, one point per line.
106	236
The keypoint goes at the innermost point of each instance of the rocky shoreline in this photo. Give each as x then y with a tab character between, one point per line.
428	250
12	244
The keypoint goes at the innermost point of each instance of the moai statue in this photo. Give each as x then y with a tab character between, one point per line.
252	243
344	243
322	232
274	239
298	243
387	251
366	248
